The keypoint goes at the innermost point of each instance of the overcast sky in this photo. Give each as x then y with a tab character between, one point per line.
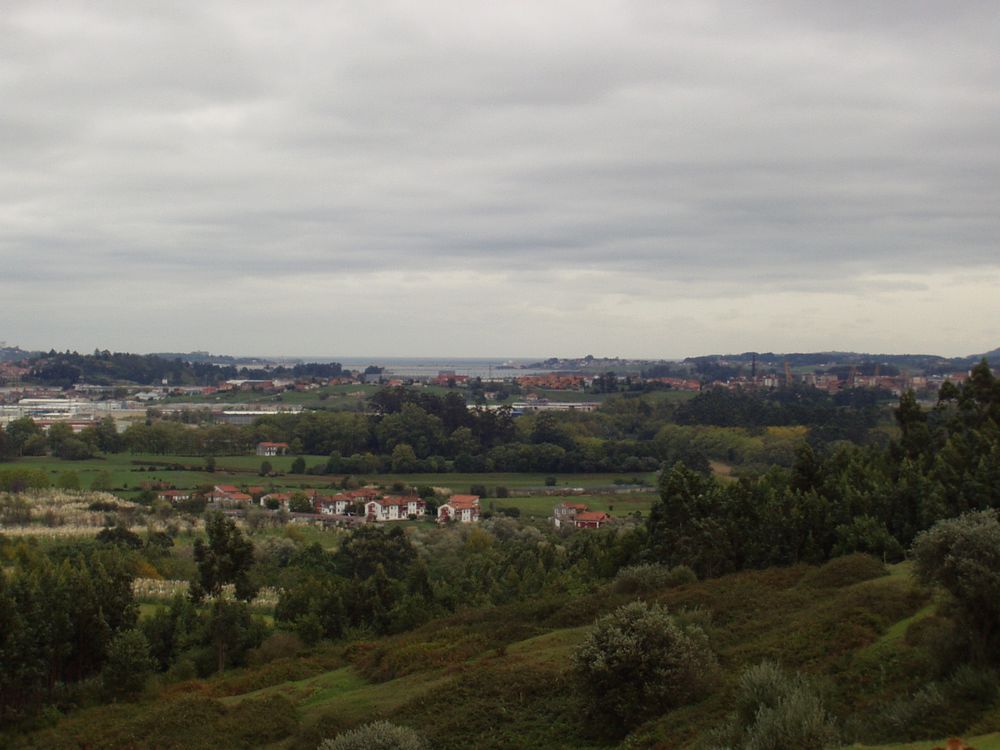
535	178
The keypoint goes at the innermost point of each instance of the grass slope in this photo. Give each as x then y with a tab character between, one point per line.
984	742
500	677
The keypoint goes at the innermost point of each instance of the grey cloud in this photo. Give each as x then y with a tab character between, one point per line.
778	147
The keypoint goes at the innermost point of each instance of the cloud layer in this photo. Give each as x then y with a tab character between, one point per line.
634	178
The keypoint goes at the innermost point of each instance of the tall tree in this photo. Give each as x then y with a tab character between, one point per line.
225	559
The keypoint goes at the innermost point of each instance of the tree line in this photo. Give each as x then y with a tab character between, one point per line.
61	619
846	498
409	431
108	368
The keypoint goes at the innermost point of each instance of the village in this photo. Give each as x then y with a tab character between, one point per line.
364	505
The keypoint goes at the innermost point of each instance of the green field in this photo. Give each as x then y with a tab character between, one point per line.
462	481
983	742
129	471
540	506
327	397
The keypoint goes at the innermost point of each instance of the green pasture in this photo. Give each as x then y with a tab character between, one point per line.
325	396
540	506
130	470
461	482
983	742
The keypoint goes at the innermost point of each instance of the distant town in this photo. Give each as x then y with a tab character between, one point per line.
237	391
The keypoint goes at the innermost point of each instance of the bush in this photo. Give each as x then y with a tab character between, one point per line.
775	711
128	664
940	708
639	662
867	534
19	479
280	645
645	577
68	480
379	735
845	571
962	555
550	481
257	722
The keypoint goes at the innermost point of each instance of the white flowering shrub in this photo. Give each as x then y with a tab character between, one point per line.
775	710
379	735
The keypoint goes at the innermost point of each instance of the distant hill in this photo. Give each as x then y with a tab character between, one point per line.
15	354
929	363
216	359
993	356
109	368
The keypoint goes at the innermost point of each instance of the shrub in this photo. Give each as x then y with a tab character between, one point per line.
639	662
651	577
128	664
774	711
867	534
257	722
68	480
962	555
19	479
550	481
280	645
938	708
379	735
845	571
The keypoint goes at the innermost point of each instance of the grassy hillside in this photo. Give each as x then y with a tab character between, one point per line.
499	677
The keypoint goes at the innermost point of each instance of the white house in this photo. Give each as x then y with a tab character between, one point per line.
461	508
272	449
566	513
337	505
395	508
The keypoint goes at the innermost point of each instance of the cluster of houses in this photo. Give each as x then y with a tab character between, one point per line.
578	515
369	503
373	505
831	382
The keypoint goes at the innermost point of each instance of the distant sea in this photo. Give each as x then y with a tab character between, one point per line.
482	367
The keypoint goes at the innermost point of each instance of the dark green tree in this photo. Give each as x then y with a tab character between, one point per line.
962	555
225	559
129	664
